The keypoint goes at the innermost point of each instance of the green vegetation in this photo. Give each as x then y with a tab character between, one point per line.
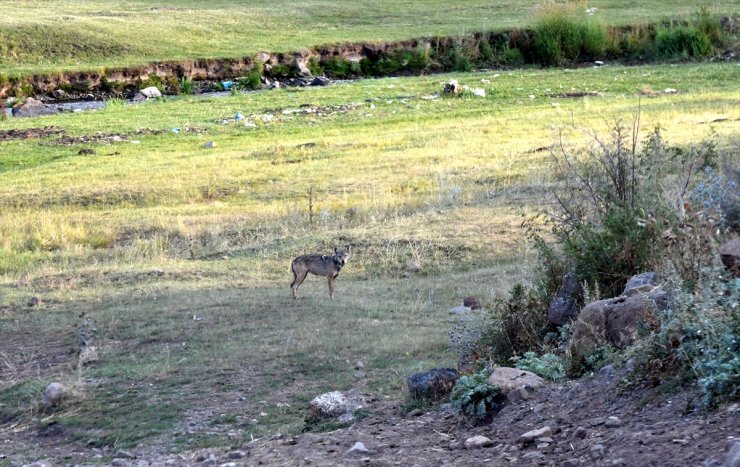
474	397
180	254
46	37
565	34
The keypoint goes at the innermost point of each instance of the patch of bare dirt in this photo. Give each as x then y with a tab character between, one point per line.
30	133
25	355
649	429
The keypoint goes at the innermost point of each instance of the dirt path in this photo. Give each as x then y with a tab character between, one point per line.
649	429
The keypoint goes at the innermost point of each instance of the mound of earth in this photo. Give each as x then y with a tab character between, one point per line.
592	422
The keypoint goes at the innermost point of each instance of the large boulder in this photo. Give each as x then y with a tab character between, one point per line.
433	384
616	320
55	394
509	379
33	108
562	309
730	255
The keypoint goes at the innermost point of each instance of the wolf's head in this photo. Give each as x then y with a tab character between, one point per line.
341	256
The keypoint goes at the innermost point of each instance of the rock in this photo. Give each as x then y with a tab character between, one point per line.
42	463
86	152
236	455
545	439
562	309
359	365
729	253
459	310
358	448
533	455
599	63
334	404
54	394
433	384
613	422
320	81
452	87
118	462
415	413
580	433
58	94
274	85
33	301
530	436
125	454
33	108
615	321
455	445
148	93
477	442
209	145
517	395
508	379
646	278
732	459
472	302
571	463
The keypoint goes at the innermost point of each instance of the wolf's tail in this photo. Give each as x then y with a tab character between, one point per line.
295	276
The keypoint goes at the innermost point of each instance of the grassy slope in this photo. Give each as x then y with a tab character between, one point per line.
180	254
71	34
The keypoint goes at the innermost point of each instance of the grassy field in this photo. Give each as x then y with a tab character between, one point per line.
50	36
180	254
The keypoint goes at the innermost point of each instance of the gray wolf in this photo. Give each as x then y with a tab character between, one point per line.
321	265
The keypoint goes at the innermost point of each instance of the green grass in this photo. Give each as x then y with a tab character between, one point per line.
50	36
181	254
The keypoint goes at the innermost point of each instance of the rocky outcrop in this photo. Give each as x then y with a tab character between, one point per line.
616	320
563	308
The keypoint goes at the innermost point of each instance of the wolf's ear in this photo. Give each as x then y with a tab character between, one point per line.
336	249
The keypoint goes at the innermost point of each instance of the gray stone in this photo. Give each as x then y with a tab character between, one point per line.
571	463
54	394
149	93
460	310
358	448
613	422
562	309
533	455
433	384
580	433
118	462
646	278
334	404
236	455
125	454
33	108
530	436
508	379
348	417
209	145
478	441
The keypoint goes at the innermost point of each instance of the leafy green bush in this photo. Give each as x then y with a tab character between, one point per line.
562	35
682	42
280	70
186	86
474	397
710	26
314	66
548	365
337	67
250	82
516	325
